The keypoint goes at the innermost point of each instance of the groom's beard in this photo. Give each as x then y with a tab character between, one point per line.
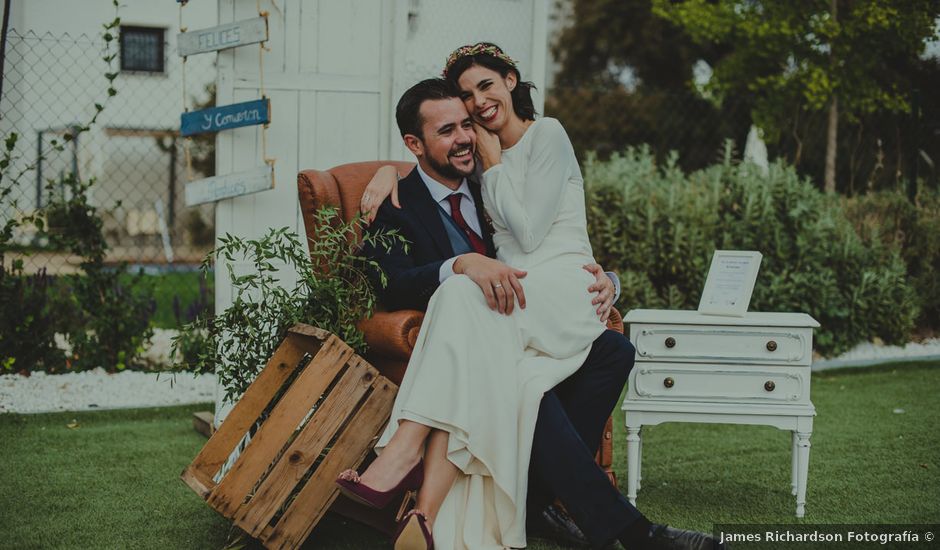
448	170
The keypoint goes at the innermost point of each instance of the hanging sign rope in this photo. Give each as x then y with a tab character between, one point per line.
226	117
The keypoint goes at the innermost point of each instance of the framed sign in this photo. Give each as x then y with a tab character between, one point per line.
730	282
226	117
230	35
230	185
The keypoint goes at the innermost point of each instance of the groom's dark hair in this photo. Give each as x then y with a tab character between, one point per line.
408	111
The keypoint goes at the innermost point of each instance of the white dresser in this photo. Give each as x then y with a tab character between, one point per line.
733	370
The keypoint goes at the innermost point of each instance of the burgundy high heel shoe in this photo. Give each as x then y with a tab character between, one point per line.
413	533
364	494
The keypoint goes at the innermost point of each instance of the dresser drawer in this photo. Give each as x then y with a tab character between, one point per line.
719	383
720	343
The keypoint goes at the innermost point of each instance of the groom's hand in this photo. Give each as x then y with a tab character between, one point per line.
605	290
498	281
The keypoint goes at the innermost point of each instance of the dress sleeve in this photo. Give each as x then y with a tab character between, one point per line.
529	207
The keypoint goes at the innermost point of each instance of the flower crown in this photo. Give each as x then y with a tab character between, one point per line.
476	49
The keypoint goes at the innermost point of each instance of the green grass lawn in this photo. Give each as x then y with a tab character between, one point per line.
112	480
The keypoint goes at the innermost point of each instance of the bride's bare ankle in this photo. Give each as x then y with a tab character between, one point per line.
428	518
402	456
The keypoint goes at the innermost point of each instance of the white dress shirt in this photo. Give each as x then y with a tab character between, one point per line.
440	192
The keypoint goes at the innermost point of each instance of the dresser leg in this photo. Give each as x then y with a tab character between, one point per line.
803	470
639	462
633	462
795	460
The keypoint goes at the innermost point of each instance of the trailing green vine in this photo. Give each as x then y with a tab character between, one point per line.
332	291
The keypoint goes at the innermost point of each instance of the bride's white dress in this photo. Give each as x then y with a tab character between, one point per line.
480	375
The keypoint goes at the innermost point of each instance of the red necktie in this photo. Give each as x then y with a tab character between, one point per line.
475	241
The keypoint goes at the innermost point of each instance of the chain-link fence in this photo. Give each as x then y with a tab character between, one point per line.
133	153
51	86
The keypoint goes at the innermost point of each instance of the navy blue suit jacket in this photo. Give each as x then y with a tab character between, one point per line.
414	275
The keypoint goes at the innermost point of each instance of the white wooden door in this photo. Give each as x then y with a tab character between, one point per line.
328	76
334	70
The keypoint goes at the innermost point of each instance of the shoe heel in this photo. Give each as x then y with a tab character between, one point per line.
411	498
414	535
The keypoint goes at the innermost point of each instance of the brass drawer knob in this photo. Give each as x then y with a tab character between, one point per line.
670	342
771	346
769	385
669	382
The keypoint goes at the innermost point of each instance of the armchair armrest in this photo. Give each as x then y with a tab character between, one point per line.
615	320
392	334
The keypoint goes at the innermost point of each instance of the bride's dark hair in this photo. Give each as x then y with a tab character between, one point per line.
492	57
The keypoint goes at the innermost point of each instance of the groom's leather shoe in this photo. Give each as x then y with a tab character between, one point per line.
663	537
554	524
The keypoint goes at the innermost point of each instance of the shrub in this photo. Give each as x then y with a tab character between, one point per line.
659	227
113	318
27	327
332	291
27	320
889	219
106	313
190	342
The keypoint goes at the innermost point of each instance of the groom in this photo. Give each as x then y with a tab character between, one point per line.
441	215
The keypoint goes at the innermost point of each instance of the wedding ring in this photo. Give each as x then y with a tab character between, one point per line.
497	285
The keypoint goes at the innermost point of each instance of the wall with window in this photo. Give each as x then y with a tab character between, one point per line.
54	75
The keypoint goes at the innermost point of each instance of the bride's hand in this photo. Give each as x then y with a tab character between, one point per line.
488	148
383	183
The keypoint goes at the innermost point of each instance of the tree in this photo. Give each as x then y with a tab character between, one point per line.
606	37
624	78
849	57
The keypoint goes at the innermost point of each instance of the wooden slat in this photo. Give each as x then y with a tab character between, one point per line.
305	449
226	186
202	422
222	37
195	483
250	406
226	117
303	393
349	450
309	330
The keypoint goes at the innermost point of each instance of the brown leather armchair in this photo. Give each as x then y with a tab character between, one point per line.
390	335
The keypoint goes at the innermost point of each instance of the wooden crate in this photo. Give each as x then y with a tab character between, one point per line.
283	481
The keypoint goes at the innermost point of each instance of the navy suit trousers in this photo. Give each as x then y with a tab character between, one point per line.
567	434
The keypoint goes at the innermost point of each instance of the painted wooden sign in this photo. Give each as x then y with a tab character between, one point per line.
226	117
230	35
230	185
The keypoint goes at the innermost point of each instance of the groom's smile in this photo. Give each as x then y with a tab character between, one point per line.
448	141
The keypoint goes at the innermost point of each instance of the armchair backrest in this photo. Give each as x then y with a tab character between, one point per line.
341	187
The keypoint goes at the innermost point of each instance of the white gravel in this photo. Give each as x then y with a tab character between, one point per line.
869	354
97	390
